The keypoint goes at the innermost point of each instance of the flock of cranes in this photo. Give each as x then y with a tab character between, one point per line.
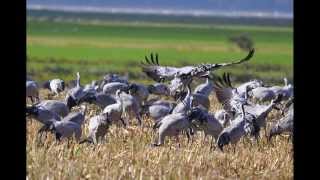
171	102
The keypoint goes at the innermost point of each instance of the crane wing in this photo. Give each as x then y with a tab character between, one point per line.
224	91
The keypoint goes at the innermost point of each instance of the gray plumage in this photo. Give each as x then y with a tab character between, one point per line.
207	122
112	87
77	117
115	111
91	88
98	128
247	123
223	117
159	89
204	89
139	91
180	76
103	100
66	129
285	124
172	125
268	93
42	115
263	93
131	106
76	93
228	96
55	106
32	90
186	104
249	86
158	109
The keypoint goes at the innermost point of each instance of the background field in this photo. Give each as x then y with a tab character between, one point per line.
60	46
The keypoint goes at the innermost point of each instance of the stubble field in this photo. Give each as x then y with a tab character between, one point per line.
127	155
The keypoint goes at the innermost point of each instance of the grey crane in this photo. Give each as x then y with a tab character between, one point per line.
157	109
159	89
229	97
77	117
243	124
112	87
69	125
260	112
252	84
131	106
58	107
92	87
115	111
56	86
32	90
197	99
42	115
186	104
268	93
262	94
204	89
99	98
246	123
77	95
98	128
179	76
66	129
139	91
172	125
207	122
285	124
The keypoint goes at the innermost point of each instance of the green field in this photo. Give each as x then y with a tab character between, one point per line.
61	48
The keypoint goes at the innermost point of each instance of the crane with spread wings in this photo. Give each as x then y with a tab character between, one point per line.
179	76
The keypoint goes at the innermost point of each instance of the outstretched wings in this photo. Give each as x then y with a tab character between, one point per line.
165	73
224	91
155	71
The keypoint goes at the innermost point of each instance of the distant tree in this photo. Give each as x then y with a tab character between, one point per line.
243	41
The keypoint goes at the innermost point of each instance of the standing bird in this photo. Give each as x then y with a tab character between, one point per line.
207	122
58	107
131	106
42	115
263	93
91	88
115	111
242	125
177	75
285	124
76	94
32	90
66	129
172	125
229	97
186	104
55	86
112	87
159	89
100	99
247	123
204	89
139	91
249	85
68	126
158	109
77	117
98	128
